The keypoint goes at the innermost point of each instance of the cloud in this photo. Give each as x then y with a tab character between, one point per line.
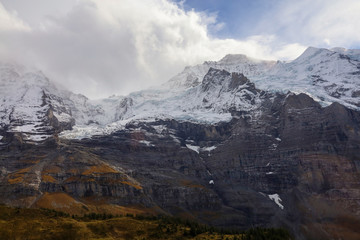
325	23
104	47
10	21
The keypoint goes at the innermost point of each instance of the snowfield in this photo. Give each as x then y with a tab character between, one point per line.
202	93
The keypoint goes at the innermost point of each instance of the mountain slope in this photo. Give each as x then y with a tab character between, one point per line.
35	107
293	164
326	75
26	104
218	148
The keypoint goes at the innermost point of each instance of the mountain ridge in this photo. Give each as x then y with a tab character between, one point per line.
326	75
224	151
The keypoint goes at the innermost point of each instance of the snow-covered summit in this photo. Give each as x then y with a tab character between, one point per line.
28	102
235	59
192	76
327	75
33	105
353	54
207	92
211	101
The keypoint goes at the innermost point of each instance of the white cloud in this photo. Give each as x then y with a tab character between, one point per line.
104	47
10	21
325	23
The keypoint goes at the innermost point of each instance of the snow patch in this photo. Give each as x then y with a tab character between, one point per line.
1	137
63	117
176	139
209	149
276	198
269	173
194	148
211	182
147	143
273	146
25	128
278	139
159	128
38	138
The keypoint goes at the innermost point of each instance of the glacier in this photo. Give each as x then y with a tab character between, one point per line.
28	99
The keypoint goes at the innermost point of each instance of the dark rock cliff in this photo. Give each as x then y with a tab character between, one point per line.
228	174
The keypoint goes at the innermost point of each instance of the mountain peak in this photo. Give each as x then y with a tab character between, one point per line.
353	54
312	73
311	52
235	59
339	49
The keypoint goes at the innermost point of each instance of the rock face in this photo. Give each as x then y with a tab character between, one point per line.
289	162
228	153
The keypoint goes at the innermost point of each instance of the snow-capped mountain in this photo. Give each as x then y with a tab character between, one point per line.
224	139
37	108
25	106
207	92
192	76
327	75
212	101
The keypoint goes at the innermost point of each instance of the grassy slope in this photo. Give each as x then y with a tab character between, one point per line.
20	223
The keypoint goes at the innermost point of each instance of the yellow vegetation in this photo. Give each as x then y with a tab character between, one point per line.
64	202
72	179
45	224
59	201
18	176
73	171
99	169
15	180
99	205
22	171
52	169
20	223
56	199
48	178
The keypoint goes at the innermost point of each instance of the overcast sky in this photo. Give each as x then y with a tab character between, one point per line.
104	47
